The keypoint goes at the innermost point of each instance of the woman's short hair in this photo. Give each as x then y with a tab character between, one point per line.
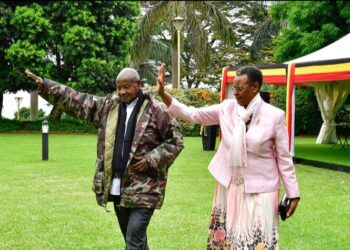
253	73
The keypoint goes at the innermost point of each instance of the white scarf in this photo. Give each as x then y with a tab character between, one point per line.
238	148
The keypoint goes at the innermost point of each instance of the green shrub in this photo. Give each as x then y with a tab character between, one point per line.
308	118
9	125
24	114
343	114
196	98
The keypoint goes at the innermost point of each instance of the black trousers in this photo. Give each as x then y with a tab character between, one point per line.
133	223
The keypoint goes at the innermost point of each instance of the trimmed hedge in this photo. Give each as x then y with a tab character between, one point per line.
67	124
196	98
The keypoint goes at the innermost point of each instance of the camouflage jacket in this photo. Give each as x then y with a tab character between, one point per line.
157	137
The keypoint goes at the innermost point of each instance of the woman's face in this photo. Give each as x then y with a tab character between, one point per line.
243	90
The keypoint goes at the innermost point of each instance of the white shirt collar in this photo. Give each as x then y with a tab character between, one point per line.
132	104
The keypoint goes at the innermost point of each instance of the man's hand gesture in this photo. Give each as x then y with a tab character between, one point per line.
36	78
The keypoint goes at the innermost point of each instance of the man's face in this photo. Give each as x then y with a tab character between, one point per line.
128	90
243	90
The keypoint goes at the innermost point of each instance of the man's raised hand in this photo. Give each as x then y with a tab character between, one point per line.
36	78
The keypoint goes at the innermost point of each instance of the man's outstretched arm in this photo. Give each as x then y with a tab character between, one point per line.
83	106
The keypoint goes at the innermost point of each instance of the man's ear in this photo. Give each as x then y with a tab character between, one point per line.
140	83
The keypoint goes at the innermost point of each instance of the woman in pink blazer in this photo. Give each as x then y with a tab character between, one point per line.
251	160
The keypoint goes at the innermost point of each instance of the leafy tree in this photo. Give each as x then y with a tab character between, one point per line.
24	114
245	17
5	42
308	26
81	43
198	15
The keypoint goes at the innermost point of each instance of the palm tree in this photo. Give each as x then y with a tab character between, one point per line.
198	15
264	34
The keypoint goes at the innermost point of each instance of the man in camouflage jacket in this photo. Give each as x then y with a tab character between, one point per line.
156	143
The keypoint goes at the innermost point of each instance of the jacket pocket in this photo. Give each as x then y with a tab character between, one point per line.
98	184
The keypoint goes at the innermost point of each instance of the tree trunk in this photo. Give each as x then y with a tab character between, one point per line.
1	99
34	105
56	113
174	67
189	82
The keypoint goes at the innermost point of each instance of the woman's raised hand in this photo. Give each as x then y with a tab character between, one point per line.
160	86
36	78
160	80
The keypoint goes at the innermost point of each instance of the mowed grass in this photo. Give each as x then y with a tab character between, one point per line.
306	148
50	205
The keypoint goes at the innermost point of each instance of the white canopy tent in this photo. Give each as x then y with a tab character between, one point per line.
337	50
328	72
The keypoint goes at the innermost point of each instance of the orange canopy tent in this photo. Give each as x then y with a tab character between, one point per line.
326	70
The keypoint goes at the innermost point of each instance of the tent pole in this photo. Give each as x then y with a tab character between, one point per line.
290	104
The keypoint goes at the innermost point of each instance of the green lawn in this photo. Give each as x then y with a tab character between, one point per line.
306	147
50	205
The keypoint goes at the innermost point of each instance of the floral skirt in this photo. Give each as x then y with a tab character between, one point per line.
243	221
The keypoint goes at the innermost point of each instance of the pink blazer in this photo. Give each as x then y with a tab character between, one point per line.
268	157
